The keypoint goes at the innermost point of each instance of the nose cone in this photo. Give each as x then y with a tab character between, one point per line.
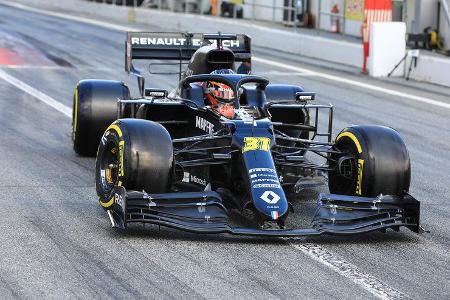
267	195
255	141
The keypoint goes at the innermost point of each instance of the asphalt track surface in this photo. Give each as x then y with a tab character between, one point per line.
57	242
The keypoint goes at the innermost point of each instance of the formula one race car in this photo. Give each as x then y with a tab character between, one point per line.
226	148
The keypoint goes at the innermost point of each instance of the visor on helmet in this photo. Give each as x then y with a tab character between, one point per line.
220	92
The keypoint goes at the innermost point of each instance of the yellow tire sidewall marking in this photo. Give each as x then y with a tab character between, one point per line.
107	204
75	114
116	128
352	137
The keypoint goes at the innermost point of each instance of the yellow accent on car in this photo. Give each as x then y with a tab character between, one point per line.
352	137
75	113
108	175
107	204
121	146
360	177
256	143
116	129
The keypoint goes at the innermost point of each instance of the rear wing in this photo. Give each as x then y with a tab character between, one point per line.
180	46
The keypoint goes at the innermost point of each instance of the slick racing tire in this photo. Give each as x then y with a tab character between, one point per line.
136	154
94	109
374	161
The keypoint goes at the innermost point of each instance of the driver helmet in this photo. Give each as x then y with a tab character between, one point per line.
220	96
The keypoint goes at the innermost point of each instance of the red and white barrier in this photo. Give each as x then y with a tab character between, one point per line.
374	11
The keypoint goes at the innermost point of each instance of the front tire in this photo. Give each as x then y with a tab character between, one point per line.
373	161
136	154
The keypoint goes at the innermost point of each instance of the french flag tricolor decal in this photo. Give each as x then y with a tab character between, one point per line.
274	215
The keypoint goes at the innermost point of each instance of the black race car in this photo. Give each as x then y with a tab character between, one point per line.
176	160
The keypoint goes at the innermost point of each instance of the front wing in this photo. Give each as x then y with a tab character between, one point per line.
204	212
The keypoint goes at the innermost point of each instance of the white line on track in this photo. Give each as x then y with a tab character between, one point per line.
38	67
32	67
371	284
354	83
305	71
67	111
316	252
278	73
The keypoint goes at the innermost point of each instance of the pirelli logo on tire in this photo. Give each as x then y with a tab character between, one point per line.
121	154
359	177
360	162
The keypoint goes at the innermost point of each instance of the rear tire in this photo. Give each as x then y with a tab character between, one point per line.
94	109
379	162
136	154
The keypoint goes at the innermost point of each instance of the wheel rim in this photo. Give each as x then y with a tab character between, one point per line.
345	181
109	166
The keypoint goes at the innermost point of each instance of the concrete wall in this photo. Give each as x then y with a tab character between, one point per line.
353	27
259	11
444	26
431	69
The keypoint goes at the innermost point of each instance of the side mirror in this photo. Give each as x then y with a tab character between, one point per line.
305	96
155	93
